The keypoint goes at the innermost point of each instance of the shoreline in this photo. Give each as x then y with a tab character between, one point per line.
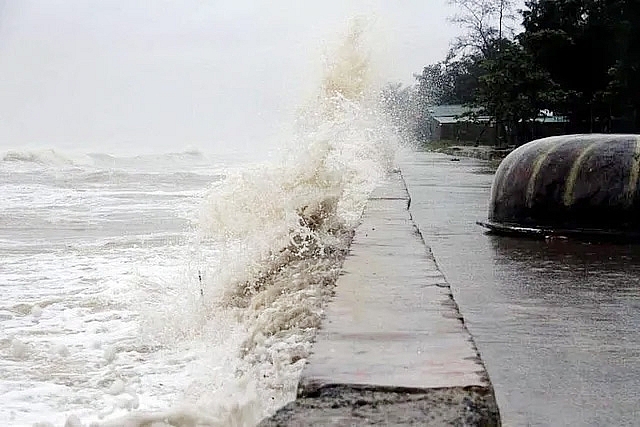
392	347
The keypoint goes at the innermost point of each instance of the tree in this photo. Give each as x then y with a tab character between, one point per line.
577	58
590	49
623	90
484	21
513	91
487	22
447	82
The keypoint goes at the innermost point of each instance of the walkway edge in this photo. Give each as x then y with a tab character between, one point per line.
393	348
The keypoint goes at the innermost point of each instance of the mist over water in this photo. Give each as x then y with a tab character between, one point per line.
224	77
180	289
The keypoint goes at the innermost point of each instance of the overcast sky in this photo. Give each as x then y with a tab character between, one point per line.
163	75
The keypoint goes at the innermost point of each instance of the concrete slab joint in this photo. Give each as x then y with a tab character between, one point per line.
393	348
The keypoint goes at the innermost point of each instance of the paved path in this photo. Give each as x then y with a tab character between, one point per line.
393	348
556	322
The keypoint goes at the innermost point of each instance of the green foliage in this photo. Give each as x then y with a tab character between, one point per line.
577	58
590	49
447	82
513	90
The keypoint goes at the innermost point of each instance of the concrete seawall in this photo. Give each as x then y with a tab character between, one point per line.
393	348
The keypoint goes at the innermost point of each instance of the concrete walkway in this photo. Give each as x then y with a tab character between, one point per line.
393	348
556	321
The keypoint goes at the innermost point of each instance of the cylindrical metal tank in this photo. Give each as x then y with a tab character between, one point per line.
571	184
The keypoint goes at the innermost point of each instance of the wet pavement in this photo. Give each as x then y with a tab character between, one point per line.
392	349
557	323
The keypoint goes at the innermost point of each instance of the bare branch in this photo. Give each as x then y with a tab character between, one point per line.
483	21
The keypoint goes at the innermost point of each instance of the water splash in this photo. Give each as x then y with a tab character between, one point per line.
279	233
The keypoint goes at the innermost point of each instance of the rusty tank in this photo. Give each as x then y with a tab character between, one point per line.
582	185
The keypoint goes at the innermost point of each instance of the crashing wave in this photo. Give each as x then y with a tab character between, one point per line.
281	232
42	157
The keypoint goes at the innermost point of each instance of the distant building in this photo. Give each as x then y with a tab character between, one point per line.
453	123
448	122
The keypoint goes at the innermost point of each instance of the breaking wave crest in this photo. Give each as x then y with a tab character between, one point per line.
185	159
280	232
48	157
55	158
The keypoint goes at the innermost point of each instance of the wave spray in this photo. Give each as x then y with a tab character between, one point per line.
269	246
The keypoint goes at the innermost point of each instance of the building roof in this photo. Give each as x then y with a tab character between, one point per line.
451	113
547	116
447	114
448	110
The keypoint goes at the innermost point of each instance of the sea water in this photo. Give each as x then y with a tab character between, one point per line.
179	289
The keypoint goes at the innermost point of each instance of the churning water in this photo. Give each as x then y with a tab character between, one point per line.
176	289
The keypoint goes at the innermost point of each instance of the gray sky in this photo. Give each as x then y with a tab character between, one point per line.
164	75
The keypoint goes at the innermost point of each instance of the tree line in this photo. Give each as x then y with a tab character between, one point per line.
579	59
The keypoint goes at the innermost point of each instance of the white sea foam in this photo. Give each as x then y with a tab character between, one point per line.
281	230
188	159
133	311
44	157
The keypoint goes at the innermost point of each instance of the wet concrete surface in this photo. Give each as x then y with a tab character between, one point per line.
392	348
557	323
